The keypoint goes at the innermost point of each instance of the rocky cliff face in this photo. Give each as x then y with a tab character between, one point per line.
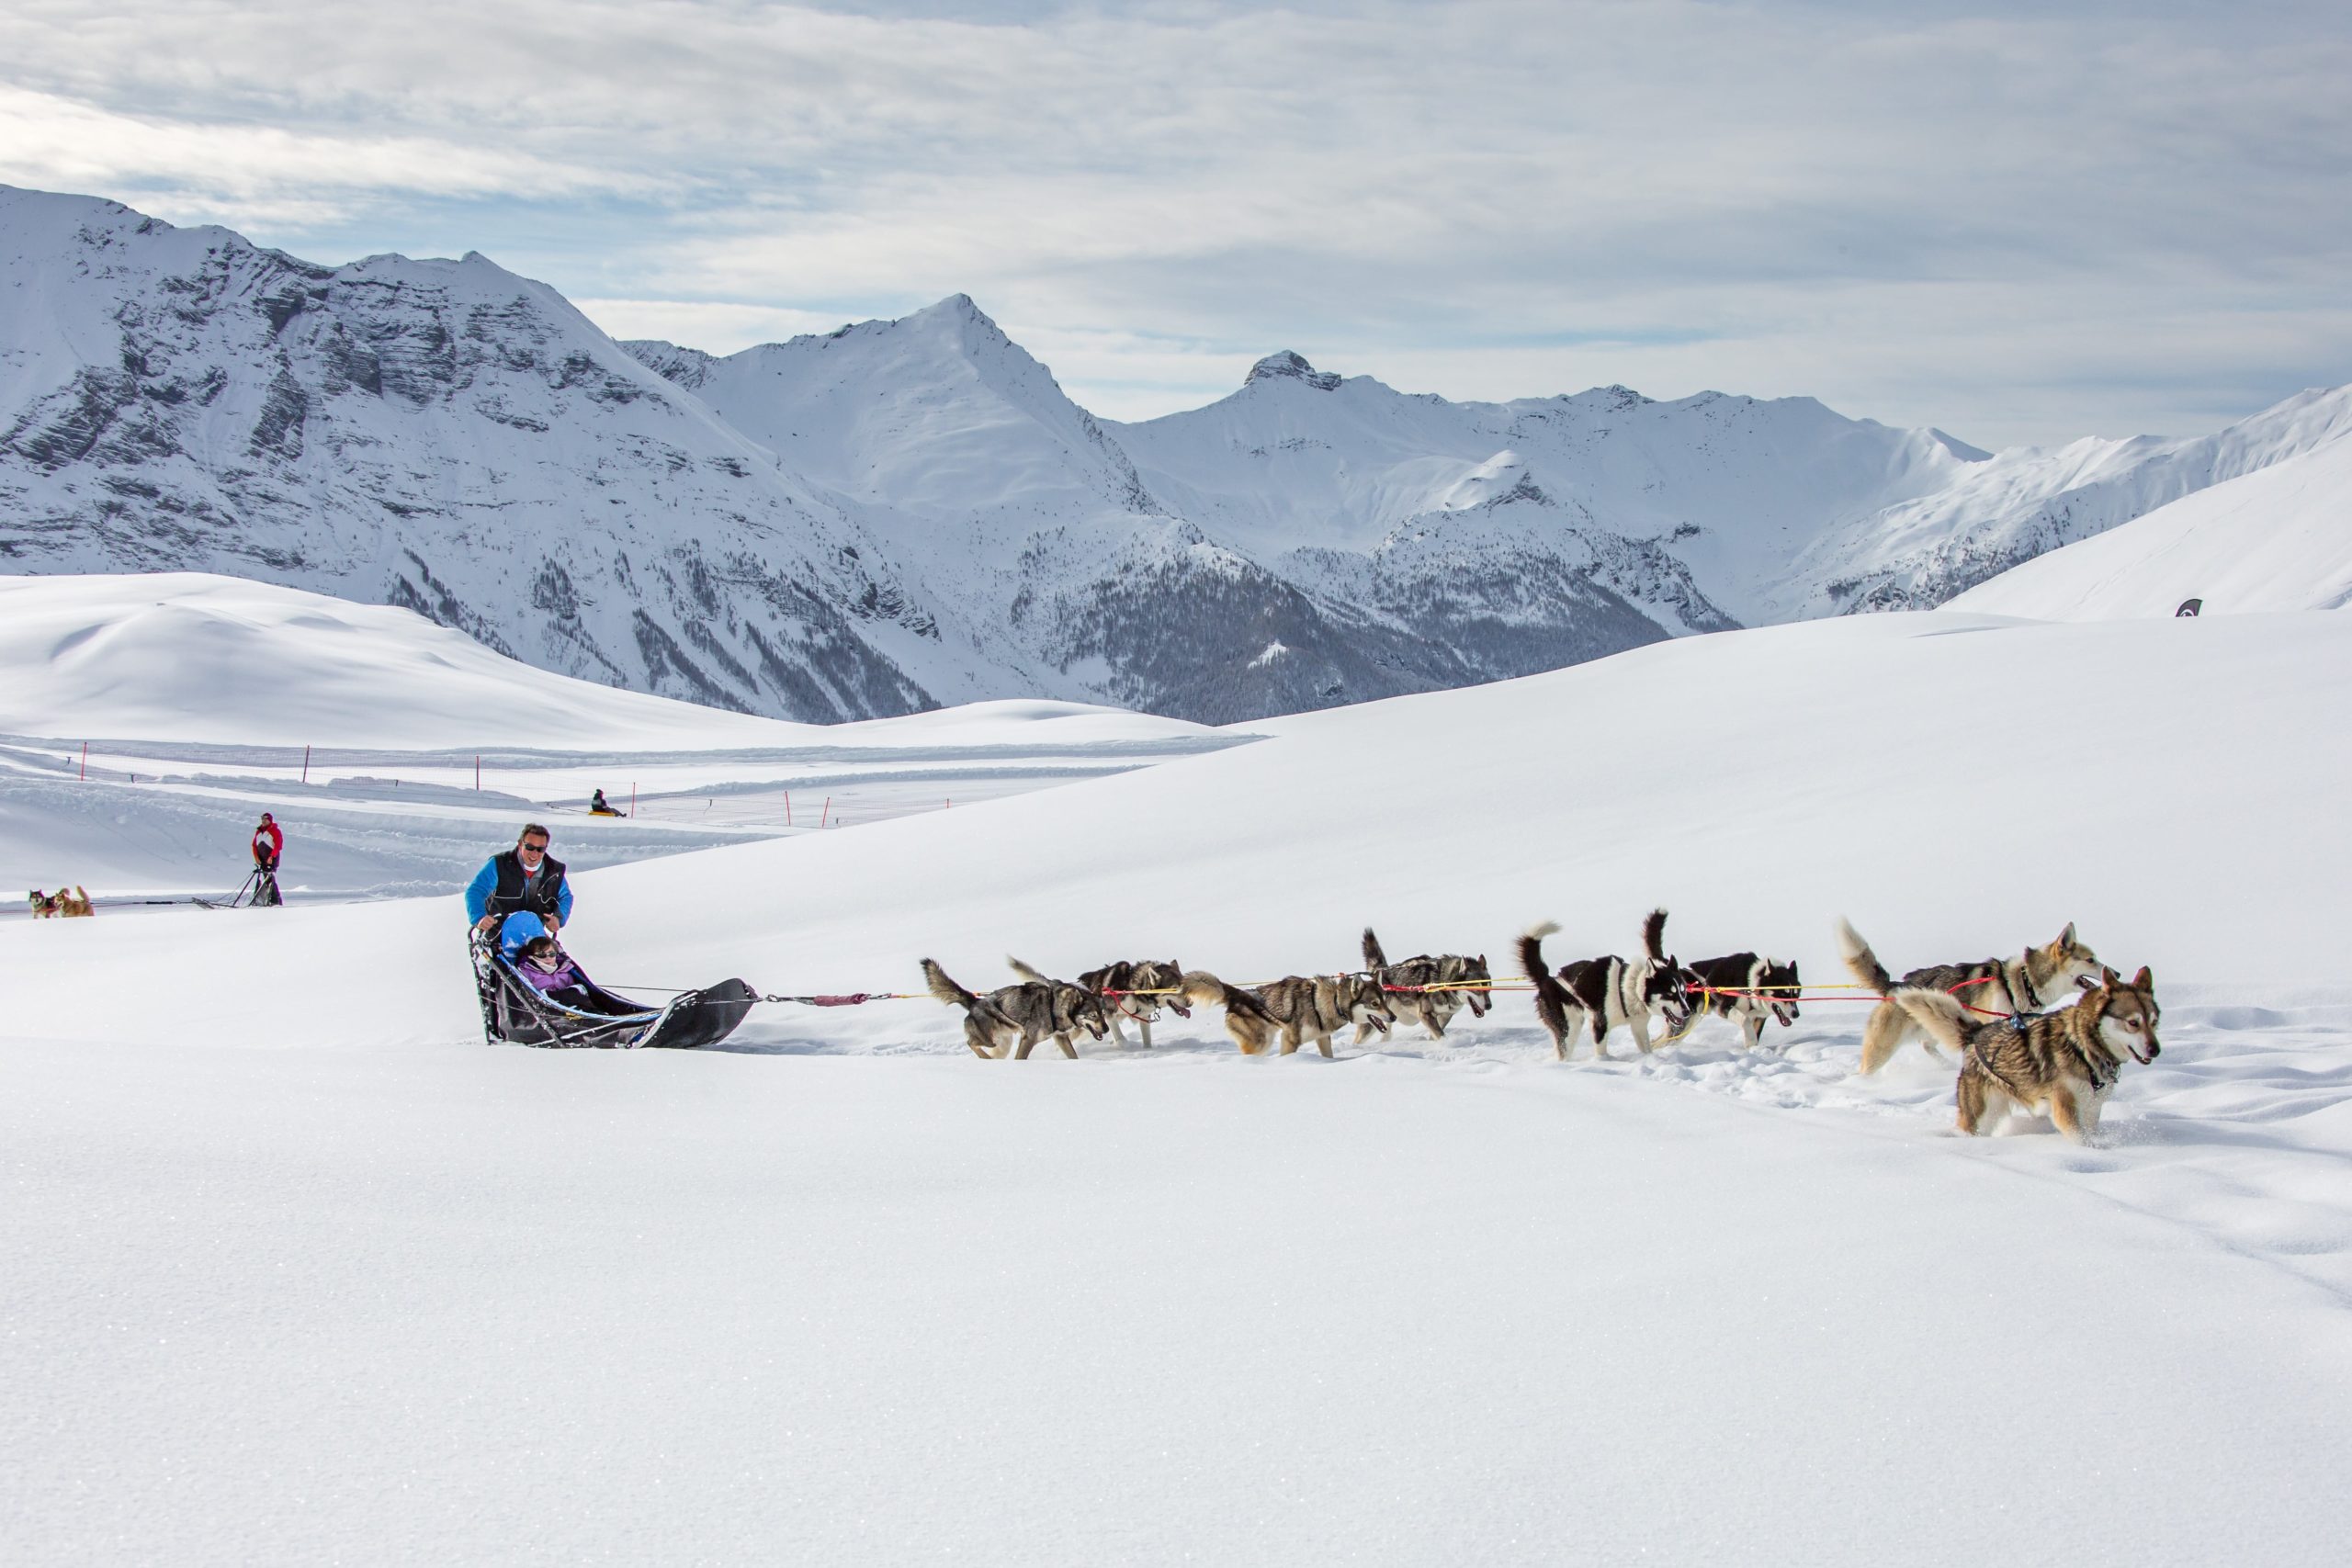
909	512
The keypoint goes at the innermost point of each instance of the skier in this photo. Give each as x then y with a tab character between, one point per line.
522	879
268	846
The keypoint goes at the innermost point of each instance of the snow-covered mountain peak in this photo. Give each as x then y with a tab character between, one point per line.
1291	366
909	511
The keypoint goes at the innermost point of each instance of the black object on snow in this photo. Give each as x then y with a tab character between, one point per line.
2190	607
517	1013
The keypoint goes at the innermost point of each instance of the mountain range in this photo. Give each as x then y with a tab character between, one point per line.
906	514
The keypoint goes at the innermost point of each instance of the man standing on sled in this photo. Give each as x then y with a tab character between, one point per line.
523	880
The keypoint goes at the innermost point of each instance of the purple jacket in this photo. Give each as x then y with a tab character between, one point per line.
550	980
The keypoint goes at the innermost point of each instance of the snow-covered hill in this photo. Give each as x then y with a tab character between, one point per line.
908	514
2276	539
2025	504
146	720
195	657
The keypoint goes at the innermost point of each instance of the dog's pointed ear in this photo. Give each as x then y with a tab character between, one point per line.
2109	979
2066	937
2144	981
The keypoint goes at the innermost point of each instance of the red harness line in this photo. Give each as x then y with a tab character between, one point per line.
1765	995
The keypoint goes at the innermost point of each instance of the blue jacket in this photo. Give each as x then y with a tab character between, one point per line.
504	868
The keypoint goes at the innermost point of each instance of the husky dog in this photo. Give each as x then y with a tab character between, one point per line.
1137	990
1466	979
1011	1020
2065	1061
2025	984
44	906
1746	989
1312	1008
62	905
1246	1018
1602	993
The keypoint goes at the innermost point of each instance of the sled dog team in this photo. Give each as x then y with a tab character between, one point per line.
65	904
2018	1047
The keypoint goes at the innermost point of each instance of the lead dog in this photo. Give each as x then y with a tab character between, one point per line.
1011	1020
1136	989
1747	990
2068	1060
1313	1008
2030	983
1602	993
1463	978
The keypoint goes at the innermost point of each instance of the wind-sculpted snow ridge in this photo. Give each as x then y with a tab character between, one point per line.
908	514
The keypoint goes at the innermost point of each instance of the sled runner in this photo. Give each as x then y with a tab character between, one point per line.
516	1011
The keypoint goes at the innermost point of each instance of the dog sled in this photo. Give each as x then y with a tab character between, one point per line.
515	1013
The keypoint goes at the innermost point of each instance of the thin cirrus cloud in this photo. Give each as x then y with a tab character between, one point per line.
2019	223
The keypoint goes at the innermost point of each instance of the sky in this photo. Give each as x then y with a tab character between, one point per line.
2017	223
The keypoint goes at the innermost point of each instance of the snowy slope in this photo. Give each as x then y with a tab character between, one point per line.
207	700
306	1280
2025	504
2277	538
189	656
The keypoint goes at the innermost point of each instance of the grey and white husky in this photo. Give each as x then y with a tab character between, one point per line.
1011	1020
2036	979
1315	1008
1602	993
1462	977
1135	989
2066	1062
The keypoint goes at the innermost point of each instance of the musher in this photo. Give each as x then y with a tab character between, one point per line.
269	846
524	879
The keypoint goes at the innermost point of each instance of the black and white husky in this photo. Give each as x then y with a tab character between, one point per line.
1602	993
1747	990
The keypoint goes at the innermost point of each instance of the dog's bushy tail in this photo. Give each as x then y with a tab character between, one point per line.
1373	959
1861	962
1200	986
1653	936
1941	1013
1550	997
1024	970
945	990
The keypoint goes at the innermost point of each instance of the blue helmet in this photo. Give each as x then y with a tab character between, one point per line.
518	930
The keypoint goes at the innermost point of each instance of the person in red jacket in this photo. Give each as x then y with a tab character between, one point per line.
269	843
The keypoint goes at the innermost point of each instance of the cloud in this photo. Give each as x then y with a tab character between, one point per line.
1919	215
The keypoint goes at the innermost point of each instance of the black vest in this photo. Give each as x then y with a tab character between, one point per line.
508	897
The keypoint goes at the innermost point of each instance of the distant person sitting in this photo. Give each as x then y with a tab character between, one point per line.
599	806
523	880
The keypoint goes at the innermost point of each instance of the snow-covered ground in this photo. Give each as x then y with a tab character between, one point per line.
295	1269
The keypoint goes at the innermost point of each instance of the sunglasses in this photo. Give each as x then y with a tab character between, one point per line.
537	848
